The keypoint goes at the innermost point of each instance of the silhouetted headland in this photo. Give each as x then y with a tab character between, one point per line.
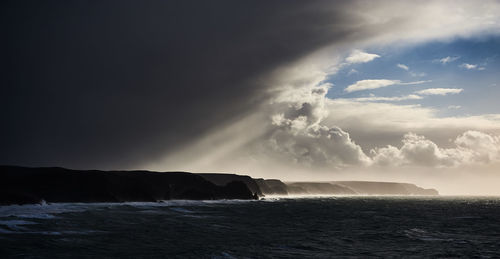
24	185
385	188
259	186
357	188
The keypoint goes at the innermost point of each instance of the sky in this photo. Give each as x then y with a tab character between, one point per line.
296	90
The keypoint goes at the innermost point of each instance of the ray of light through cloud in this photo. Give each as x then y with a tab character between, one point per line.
301	90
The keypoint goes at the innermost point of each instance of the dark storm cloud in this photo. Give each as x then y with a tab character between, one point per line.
111	84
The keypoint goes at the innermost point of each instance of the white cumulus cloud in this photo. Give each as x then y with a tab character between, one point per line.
377	83
388	99
471	147
370	84
440	91
358	56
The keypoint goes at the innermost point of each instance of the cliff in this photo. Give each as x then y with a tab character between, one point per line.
21	185
259	186
318	188
223	179
386	188
272	186
357	188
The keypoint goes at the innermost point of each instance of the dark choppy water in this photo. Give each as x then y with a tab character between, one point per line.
275	228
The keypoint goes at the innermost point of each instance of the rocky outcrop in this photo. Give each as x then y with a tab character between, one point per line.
258	186
21	185
223	179
386	188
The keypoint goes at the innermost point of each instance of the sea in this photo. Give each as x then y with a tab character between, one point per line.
274	227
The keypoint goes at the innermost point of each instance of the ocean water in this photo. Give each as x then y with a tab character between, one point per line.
314	227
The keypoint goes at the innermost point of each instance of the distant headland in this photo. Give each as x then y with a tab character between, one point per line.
25	185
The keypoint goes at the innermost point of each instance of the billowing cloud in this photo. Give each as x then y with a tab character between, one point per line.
440	91
471	147
369	84
358	56
377	124
315	145
483	148
415	150
297	134
403	66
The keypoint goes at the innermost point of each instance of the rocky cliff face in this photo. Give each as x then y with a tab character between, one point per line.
272	186
258	186
21	185
223	179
